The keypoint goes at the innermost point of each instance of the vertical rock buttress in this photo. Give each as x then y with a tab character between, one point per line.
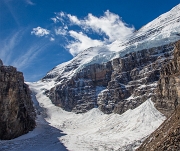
17	114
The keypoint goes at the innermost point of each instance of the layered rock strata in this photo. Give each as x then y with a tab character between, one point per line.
17	115
116	86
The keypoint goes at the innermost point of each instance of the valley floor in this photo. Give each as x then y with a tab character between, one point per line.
92	131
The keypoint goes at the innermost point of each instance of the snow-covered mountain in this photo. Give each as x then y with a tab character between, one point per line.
125	79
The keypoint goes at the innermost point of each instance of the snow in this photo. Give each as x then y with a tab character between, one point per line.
94	130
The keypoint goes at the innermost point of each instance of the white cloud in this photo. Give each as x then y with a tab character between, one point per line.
62	14
110	24
39	31
54	20
60	31
74	19
81	42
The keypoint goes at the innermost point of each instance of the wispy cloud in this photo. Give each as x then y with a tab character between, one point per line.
27	58
29	2
61	31
12	10
39	31
8	44
26	55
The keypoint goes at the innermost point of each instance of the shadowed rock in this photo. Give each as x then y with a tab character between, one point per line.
17	115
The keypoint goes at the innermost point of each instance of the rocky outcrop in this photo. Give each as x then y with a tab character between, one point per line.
167	136
168	88
116	86
17	115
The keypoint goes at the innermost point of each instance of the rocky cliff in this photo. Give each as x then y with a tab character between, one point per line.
116	86
167	136
168	94
17	115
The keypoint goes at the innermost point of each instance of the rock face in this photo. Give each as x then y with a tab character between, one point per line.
17	115
116	86
168	88
167	136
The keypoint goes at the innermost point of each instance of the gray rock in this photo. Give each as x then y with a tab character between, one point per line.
17	115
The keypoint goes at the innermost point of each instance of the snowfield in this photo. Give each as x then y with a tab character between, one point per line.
92	131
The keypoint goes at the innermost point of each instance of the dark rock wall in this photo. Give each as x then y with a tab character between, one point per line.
17	115
116	86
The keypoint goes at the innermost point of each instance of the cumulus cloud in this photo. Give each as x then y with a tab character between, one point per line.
39	31
82	42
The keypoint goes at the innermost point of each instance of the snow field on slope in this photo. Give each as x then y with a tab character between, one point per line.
95	130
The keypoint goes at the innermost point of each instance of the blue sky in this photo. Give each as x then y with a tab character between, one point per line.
37	35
